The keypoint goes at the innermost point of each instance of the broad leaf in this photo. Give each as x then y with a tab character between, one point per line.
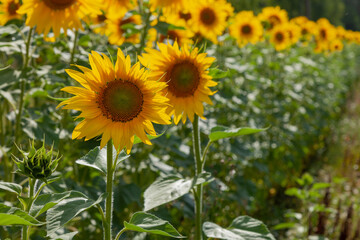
67	209
65	236
97	158
221	132
150	137
217	73
46	201
242	228
15	216
11	187
169	188
148	223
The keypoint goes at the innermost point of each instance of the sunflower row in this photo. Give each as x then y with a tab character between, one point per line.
189	22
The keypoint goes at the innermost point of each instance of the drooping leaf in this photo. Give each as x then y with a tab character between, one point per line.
138	140
221	132
169	188
148	223
46	201
97	158
15	216
242	228
216	73
67	209
11	187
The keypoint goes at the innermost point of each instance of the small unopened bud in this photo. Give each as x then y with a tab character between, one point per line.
37	163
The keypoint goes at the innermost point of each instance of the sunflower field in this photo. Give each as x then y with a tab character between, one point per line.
182	119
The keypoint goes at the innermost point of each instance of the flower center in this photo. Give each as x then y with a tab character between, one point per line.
12	7
274	19
207	16
246	29
184	79
101	18
172	35
59	4
185	16
323	33
304	31
279	37
121	101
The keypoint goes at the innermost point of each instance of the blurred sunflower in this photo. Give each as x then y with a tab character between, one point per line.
58	14
208	17
280	37
172	5
246	28
120	4
180	17
326	32
116	103
179	35
274	16
8	9
336	45
116	28
294	32
187	77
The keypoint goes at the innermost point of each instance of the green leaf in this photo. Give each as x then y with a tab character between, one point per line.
150	137
57	99
15	216
67	209
284	226
317	186
148	223
220	132
11	187
169	188
46	201
242	228
65	236
97	158
217	73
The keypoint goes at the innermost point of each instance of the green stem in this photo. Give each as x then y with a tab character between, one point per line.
109	190
119	234
74	46
146	18
199	188
203	160
26	229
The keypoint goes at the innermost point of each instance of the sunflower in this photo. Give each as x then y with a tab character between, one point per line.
180	17
116	103
8	9
58	14
115	28
187	77
181	36
280	37
246	28
294	32
336	45
274	16
208	17
326	31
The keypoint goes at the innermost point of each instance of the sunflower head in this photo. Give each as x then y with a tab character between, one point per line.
280	37
9	8
246	28
274	16
116	102
116	28
58	14
208	18
187	77
336	45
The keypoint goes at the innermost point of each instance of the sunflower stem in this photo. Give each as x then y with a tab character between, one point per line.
198	170
109	191
74	47
26	229
146	17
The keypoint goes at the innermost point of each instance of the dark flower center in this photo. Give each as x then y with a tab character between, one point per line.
121	101
246	29
207	16
183	79
13	7
279	37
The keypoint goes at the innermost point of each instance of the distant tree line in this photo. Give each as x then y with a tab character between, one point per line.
339	12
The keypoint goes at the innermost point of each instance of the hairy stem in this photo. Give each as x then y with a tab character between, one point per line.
198	170
74	46
26	229
109	190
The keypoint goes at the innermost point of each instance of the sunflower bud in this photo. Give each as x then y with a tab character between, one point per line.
37	163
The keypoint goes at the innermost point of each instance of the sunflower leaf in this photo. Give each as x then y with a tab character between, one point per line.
15	216
241	228
97	158
169	188
148	223
220	132
150	137
11	187
216	73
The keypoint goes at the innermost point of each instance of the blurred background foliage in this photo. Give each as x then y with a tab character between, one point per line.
339	12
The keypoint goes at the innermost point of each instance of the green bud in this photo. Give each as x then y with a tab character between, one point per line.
37	163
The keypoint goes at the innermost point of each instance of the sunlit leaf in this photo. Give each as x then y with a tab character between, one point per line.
15	216
11	187
220	132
